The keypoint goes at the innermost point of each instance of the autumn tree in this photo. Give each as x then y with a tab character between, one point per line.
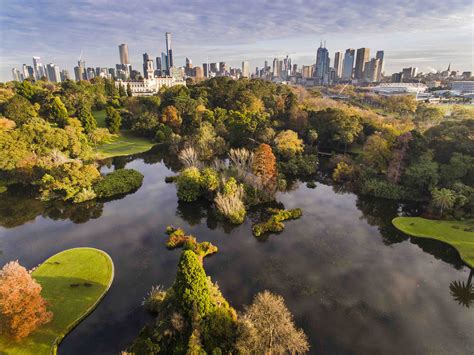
288	144
399	157
264	164
22	309
19	110
376	153
267	327
171	117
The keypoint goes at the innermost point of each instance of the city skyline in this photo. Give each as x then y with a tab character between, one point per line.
208	32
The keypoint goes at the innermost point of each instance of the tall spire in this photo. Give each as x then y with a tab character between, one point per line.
449	67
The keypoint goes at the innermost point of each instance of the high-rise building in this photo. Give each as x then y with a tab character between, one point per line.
148	66
38	68
188	67
16	75
28	71
164	64
362	58
65	75
338	64
80	70
205	69
213	67
409	73
348	64
245	69
197	72
169	51
158	63
123	51
222	68
52	73
322	66
371	70
307	71
380	57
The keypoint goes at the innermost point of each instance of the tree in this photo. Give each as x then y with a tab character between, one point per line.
288	144
267	327
422	176
264	165
171	118
376	153
84	115
337	126
22	309
122	91
428	115
444	199
113	120
129	90
57	112
19	110
191	288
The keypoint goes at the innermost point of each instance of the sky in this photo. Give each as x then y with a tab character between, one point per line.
428	34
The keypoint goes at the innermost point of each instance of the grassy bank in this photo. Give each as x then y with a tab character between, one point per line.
458	234
73	281
124	144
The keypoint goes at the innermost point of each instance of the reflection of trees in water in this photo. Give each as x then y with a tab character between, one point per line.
380	212
463	293
194	212
18	209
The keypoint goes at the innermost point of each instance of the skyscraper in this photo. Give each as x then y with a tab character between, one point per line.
164	64
338	64
16	75
52	73
169	51
205	69
348	64
38	67
371	70
380	57
362	58
322	65
65	75
80	70
123	51
245	69
148	66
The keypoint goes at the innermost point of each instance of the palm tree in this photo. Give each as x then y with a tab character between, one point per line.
462	292
443	198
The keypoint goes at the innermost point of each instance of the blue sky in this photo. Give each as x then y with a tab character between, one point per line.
428	34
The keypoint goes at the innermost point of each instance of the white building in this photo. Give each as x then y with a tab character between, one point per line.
149	87
388	89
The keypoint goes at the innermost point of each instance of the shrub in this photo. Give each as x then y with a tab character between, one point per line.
119	182
384	189
22	309
209	180
177	238
230	203
344	172
188	184
288	144
274	223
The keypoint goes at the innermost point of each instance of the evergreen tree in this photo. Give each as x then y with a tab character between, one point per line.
57	112
122	92
129	90
84	115
113	120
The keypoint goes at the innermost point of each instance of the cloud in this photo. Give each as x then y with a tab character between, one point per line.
59	29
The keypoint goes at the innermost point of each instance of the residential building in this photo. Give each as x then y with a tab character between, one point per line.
245	69
38	68
307	71
380	56
371	71
65	75
52	73
16	75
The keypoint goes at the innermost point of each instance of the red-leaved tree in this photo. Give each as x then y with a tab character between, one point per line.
22	309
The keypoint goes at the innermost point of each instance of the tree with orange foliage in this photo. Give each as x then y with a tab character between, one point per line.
171	117
22	309
264	165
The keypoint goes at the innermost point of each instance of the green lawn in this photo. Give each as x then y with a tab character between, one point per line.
124	144
459	234
91	273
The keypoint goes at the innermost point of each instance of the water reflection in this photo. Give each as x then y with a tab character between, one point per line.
463	293
354	283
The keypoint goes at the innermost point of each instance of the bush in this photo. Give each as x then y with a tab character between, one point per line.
274	223
119	182
384	189
230	203
188	184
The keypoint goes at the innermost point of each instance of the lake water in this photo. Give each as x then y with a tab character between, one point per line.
354	284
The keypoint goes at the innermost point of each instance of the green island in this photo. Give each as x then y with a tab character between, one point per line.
73	283
122	144
458	234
